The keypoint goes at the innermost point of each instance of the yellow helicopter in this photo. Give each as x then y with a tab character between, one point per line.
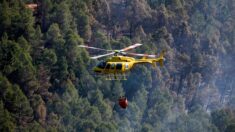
115	67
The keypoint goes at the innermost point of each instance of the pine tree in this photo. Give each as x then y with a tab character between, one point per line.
6	121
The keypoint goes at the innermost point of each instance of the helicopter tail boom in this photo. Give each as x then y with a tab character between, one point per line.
160	59
152	61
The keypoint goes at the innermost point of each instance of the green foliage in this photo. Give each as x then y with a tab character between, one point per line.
70	92
6	120
86	125
106	127
221	119
46	83
49	57
55	39
23	44
15	61
15	15
230	128
15	100
72	41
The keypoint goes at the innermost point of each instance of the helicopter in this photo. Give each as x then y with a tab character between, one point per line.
115	67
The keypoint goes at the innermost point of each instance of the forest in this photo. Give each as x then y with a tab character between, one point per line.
47	82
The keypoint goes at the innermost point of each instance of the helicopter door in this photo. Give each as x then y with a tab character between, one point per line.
112	67
126	66
107	67
119	67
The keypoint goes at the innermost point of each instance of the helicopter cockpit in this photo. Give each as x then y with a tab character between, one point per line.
102	64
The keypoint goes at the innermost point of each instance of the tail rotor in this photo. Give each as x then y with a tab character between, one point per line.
161	58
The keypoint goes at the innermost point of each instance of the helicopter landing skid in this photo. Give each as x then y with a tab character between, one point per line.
117	76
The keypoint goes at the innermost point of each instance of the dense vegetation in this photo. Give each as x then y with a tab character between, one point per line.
46	83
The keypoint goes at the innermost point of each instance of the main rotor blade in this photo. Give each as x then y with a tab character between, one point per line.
89	47
131	47
99	56
142	55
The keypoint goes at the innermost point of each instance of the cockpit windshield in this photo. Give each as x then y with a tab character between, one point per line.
101	65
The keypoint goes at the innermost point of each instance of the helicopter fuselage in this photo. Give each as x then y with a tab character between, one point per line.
115	64
121	64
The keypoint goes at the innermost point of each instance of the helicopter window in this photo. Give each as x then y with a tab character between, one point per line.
119	66
126	66
108	66
112	66
101	65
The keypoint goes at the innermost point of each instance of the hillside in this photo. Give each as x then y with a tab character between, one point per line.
46	81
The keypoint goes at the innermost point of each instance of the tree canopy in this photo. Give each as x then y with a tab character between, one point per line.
46	83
